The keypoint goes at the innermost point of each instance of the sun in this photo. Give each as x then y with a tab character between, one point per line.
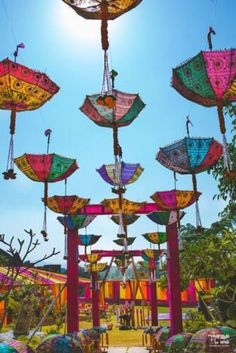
75	27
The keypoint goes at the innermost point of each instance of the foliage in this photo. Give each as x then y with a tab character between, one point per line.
227	184
194	321
16	263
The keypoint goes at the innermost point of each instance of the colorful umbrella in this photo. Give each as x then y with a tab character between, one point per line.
46	168
60	344
191	156
121	241
162	336
165	217
87	239
98	267
5	348
177	343
120	174
20	347
21	89
76	221
127	207
114	110
128	218
209	79
174	199
102	10
219	339
149	254
67	205
156	237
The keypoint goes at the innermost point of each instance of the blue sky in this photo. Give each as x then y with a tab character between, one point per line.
145	44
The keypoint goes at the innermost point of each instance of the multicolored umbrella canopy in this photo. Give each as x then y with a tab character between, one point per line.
177	343
126	207
156	237
149	254
102	10
128	240
92	9
120	174
128	219
98	267
46	168
190	155
20	347
88	239
174	199
60	344
209	79
22	89
76	221
219	339
162	335
5	348
67	205
165	217
114	110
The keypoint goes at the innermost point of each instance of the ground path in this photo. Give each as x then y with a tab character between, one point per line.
127	350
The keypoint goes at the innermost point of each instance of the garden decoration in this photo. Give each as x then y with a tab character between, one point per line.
87	240
156	237
220	339
175	200
76	221
60	344
120	175
165	217
177	343
20	347
114	110
46	168
21	89
209	79
162	336
128	218
67	205
121	241
191	156
5	348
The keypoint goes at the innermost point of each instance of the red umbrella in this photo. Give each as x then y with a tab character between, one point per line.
21	89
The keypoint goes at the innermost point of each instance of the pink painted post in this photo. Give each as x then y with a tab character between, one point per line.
95	299
173	270
72	281
154	311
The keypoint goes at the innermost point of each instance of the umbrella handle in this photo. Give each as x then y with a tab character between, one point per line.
104	25
209	39
221	117
13	121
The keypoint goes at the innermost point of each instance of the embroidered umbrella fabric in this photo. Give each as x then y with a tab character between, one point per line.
46	168
156	237
76	221
60	344
165	217
22	89
174	199
191	156
177	343
209	79
115	110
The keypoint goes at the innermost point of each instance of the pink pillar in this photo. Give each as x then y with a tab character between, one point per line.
154	312
72	281
173	270
95	299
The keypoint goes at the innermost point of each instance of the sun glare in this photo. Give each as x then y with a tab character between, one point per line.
73	26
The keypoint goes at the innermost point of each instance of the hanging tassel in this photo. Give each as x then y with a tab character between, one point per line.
226	156
65	248
9	173
116	146
44	230
198	217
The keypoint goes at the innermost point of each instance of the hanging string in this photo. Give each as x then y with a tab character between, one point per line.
175	180
198	218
